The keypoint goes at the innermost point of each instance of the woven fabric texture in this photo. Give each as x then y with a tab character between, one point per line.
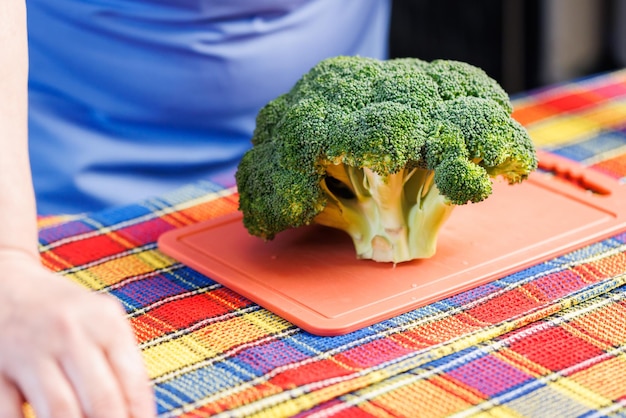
545	341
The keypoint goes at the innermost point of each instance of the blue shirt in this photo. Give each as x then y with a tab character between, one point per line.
132	98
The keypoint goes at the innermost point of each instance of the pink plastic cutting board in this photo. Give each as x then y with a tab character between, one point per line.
310	275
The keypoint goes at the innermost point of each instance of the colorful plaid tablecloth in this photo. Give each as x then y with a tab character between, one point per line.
546	341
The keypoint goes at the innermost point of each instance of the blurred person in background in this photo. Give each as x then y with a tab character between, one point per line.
105	103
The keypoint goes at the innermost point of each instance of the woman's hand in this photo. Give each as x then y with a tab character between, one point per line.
66	351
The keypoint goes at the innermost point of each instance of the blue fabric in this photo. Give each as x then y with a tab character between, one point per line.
132	98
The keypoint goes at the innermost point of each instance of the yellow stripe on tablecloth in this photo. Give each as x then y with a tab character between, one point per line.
562	129
175	354
497	412
604	328
555	381
44	222
427	399
269	322
86	278
609	115
209	341
156	259
580	393
543	401
600	378
371	409
116	269
223	336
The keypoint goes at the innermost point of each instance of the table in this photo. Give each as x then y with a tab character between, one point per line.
546	341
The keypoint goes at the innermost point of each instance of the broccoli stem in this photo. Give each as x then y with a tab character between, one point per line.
390	218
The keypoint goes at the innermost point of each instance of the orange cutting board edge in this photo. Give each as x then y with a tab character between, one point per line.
311	277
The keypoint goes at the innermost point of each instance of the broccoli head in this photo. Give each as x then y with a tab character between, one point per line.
383	150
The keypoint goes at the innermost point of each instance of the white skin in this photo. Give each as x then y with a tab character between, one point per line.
66	351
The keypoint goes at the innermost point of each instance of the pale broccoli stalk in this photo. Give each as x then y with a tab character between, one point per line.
389	218
383	150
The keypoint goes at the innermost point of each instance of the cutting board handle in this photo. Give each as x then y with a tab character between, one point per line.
576	174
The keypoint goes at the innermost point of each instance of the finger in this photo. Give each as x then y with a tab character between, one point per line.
129	367
10	400
94	382
46	388
127	364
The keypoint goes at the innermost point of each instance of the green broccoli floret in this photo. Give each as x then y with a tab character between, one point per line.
383	150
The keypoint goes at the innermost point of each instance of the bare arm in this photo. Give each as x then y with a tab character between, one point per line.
16	197
66	351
